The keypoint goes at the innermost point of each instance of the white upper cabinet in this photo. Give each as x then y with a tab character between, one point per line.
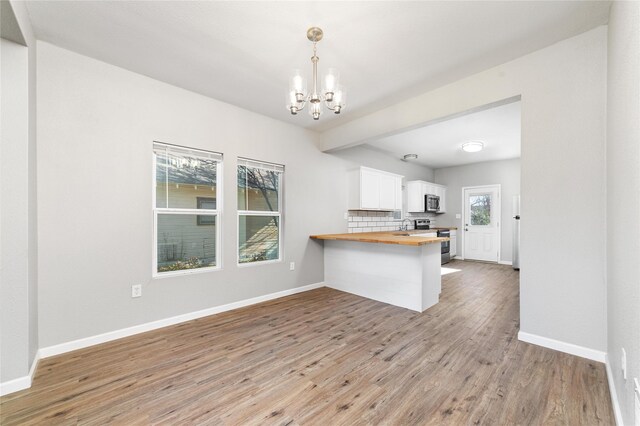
371	189
417	189
441	192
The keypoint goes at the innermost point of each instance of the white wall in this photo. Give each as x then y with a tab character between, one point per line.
623	199
18	212
563	95
505	172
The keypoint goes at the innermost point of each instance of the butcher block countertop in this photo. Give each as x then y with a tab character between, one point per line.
388	237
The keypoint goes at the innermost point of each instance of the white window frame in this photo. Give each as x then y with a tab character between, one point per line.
242	161
217	212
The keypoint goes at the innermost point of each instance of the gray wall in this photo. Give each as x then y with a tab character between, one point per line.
95	177
563	94
18	204
14	215
623	199
505	173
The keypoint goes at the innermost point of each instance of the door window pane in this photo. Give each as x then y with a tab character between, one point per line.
182	244
258	189
180	179
480	209
258	238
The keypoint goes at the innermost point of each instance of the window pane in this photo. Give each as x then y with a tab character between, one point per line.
480	206
183	244
181	179
258	189
258	238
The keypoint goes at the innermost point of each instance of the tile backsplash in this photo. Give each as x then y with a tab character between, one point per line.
371	221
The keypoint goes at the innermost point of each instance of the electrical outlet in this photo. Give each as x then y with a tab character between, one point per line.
623	364
458	216
136	290
346	215
292	266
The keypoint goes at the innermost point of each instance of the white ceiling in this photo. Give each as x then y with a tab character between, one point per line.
243	52
440	145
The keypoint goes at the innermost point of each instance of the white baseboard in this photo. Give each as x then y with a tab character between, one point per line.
505	262
15	385
617	412
20	383
130	331
565	347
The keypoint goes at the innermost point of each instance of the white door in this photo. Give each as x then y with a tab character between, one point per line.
482	223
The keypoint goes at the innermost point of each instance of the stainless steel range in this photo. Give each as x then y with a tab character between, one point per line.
445	247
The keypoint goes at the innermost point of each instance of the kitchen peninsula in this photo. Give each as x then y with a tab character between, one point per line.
400	268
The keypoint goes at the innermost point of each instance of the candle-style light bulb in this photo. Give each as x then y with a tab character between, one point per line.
298	85
339	99
330	84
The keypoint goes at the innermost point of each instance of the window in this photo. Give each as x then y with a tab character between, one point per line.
480	206
187	205
259	211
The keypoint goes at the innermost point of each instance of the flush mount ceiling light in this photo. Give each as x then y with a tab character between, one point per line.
408	157
333	95
473	146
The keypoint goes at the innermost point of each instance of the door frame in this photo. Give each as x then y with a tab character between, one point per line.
498	216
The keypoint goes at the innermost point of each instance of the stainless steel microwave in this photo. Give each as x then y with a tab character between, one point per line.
431	203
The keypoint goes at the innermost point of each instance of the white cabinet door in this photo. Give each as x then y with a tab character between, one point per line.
369	190
415	196
443	200
387	192
398	193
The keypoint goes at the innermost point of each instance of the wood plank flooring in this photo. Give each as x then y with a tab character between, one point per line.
328	358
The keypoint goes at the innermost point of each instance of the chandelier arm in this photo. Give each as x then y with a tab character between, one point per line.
328	105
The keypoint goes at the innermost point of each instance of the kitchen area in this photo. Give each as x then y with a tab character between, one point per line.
403	225
387	258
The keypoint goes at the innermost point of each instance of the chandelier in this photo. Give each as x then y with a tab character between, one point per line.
332	94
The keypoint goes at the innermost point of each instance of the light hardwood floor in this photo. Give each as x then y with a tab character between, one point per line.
328	358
